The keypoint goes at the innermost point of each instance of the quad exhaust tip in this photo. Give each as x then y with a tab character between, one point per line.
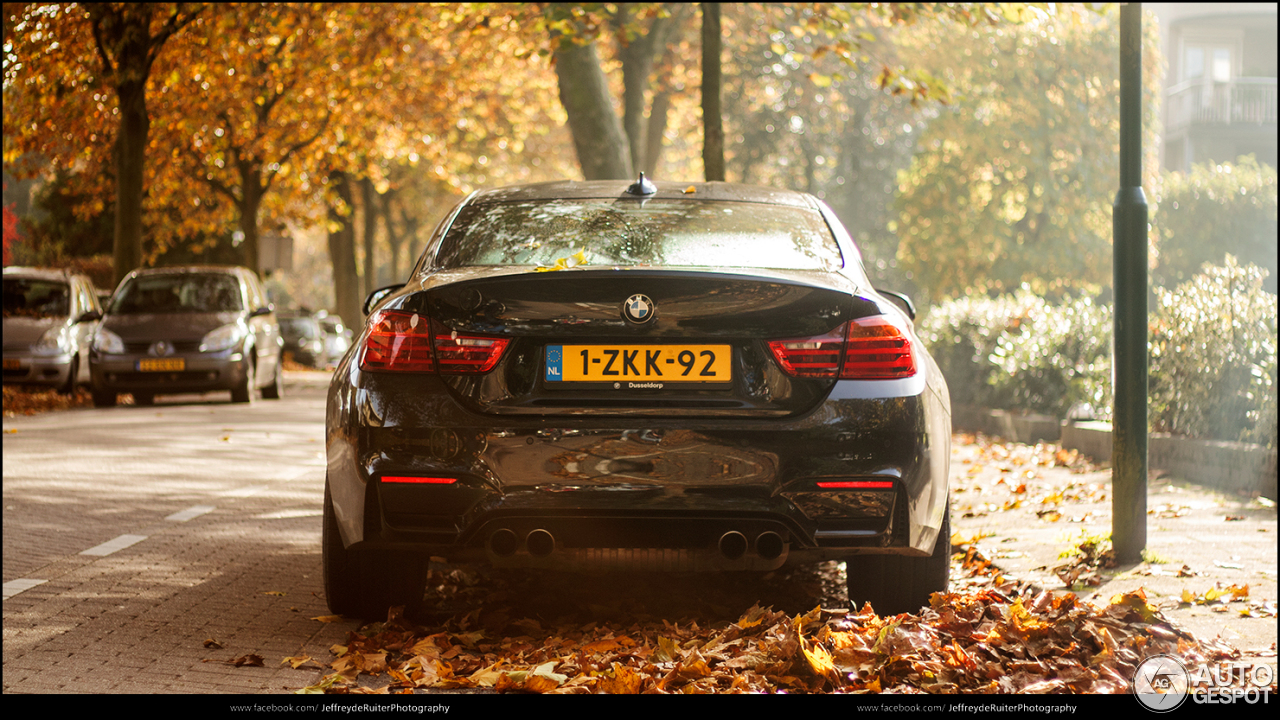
733	545
769	545
503	542
540	543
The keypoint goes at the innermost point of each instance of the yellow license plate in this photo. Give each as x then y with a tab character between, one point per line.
12	364
162	365
642	366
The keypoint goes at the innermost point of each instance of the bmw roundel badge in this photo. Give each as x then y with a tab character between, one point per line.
638	309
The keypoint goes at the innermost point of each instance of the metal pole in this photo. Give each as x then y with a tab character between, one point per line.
1129	227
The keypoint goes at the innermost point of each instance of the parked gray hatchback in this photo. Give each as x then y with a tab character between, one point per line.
49	320
188	329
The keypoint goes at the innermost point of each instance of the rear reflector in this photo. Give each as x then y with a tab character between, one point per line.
420	480
856	485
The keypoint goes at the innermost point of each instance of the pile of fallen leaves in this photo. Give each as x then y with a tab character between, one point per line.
23	401
997	636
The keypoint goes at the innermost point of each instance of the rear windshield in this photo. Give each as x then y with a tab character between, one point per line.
295	328
184	293
660	233
36	298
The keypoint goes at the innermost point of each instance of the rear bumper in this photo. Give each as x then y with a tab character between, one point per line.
675	494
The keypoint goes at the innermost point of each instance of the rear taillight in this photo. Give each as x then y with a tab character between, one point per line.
398	341
877	349
870	348
810	357
405	341
466	353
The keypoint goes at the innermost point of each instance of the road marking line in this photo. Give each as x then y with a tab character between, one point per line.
245	491
288	514
13	587
111	546
194	511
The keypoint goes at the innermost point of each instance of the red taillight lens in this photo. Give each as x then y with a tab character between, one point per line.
404	341
870	348
810	357
419	480
398	341
466	353
877	349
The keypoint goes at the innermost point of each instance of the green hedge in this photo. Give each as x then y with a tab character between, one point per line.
1212	354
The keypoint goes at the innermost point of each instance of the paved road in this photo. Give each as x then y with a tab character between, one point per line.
132	535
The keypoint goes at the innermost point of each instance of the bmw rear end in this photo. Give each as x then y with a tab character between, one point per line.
694	378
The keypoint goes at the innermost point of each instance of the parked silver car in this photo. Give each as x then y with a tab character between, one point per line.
50	317
189	329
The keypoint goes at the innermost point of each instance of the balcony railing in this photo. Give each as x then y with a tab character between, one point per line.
1243	101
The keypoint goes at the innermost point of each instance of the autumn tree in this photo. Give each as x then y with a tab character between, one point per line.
56	50
1013	183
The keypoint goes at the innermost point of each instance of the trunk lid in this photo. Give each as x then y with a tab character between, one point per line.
700	350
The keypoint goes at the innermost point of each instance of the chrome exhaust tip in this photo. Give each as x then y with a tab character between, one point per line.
540	543
733	545
769	545
503	542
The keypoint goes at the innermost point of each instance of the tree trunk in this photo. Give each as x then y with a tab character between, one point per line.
712	125
342	253
656	131
368	198
603	151
394	239
251	194
131	160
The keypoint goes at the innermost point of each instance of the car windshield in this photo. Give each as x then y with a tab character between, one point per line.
24	297
179	293
662	233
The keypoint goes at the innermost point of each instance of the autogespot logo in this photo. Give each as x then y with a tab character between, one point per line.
1160	683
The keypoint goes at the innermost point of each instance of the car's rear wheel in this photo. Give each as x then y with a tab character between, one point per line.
366	583
275	390
104	399
896	584
243	392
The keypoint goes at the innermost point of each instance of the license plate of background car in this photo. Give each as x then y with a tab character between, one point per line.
638	364
162	365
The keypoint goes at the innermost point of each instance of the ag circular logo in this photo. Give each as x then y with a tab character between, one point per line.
1160	683
638	309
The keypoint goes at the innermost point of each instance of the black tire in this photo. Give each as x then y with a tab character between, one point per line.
104	399
366	583
243	393
69	387
896	584
275	390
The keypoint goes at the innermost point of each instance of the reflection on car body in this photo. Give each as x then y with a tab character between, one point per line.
707	381
183	330
50	317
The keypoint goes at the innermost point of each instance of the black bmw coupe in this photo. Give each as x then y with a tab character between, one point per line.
607	376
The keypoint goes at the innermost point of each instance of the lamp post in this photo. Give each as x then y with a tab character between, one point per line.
1129	227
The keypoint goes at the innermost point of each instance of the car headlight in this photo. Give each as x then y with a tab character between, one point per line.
55	341
105	341
222	338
